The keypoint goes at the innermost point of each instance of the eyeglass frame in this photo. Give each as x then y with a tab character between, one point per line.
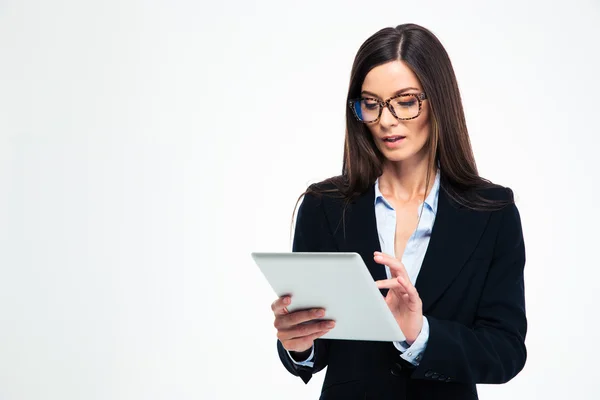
420	98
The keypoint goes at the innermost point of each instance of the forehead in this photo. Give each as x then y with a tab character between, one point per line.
386	79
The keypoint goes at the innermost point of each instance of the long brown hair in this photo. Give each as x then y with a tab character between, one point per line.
449	146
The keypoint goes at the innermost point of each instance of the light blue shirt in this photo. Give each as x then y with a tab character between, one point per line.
412	258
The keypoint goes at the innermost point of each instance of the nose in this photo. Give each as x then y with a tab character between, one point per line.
387	118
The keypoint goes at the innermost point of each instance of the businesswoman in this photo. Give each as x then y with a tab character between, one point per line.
443	244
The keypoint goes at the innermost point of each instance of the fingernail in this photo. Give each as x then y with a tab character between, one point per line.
320	313
286	300
330	324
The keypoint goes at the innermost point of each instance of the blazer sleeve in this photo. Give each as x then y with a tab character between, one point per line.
492	350
310	235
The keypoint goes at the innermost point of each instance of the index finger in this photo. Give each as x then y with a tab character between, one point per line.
395	265
279	305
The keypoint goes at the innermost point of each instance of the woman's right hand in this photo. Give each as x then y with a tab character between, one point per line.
297	330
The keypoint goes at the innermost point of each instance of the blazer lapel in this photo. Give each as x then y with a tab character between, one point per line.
456	232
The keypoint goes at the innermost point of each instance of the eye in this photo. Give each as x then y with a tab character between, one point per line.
406	102
370	104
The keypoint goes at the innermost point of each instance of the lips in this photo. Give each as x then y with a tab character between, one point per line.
392	139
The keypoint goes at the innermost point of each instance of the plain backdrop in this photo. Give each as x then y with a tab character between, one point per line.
147	147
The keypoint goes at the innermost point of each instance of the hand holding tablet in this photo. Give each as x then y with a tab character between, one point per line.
298	329
338	283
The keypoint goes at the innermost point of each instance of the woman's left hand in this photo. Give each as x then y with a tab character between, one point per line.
402	297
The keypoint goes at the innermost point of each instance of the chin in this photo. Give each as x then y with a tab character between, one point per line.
398	155
403	153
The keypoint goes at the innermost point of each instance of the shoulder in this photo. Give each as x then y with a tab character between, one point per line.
508	217
481	196
487	196
331	184
315	195
504	198
333	188
495	192
491	199
327	197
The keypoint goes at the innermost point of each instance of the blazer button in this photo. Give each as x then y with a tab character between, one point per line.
428	374
435	375
396	369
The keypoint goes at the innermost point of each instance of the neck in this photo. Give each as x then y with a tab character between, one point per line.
406	180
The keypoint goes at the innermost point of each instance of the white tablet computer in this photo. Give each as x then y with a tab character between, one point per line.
338	282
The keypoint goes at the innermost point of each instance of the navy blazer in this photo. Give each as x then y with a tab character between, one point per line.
471	286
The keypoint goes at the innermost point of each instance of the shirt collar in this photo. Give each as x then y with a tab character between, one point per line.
431	201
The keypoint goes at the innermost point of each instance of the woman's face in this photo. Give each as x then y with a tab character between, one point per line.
383	82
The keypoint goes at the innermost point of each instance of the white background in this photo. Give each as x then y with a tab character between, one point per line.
147	147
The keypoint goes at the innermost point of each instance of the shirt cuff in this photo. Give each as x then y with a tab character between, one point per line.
306	363
414	353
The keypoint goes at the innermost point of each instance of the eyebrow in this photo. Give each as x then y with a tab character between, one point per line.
395	93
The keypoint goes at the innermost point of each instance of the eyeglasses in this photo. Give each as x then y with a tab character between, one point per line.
404	106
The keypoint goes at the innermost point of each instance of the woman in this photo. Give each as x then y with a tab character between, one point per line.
444	245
